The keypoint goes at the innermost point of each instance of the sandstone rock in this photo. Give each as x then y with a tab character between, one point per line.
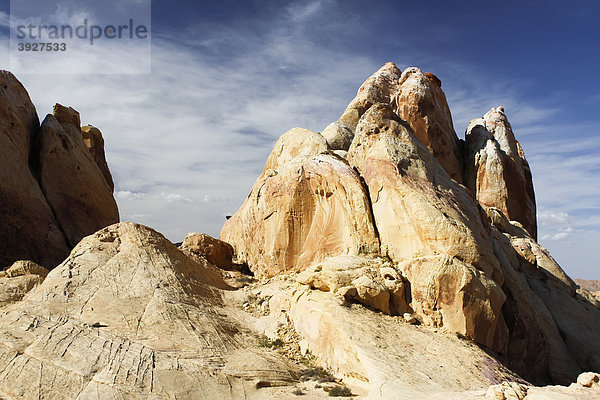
507	391
338	136
95	144
74	186
378	88
589	379
216	251
380	356
28	229
129	315
24	267
416	98
589	289
420	101
410	318
373	282
17	280
410	191
544	314
296	142
426	220
496	169
449	293
591	285
306	206
573	391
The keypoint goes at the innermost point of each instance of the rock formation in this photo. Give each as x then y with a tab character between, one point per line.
420	101
138	318
28	229
216	251
374	282
466	260
593	286
497	171
307	205
17	280
74	185
377	274
50	193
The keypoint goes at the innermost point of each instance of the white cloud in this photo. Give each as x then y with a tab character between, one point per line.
127	195
186	143
551	217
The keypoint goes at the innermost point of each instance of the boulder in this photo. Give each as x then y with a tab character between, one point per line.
374	282
28	229
496	169
217	252
507	391
589	379
72	182
19	279
338	136
306	206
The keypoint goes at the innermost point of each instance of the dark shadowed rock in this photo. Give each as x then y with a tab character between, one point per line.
74	186
28	229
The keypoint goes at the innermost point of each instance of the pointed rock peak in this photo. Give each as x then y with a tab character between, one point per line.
425	79
66	115
385	77
28	229
433	79
496	169
75	187
420	101
496	123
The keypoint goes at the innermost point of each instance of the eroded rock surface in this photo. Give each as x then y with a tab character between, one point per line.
216	251
497	171
53	191
420	101
28	229
19	279
95	144
129	315
307	205
75	187
374	282
467	255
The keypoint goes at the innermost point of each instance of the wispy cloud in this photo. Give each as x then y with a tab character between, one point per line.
186	143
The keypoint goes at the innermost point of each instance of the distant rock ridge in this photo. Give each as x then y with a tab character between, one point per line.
54	189
458	222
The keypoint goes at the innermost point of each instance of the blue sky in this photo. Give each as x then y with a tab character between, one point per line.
187	142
